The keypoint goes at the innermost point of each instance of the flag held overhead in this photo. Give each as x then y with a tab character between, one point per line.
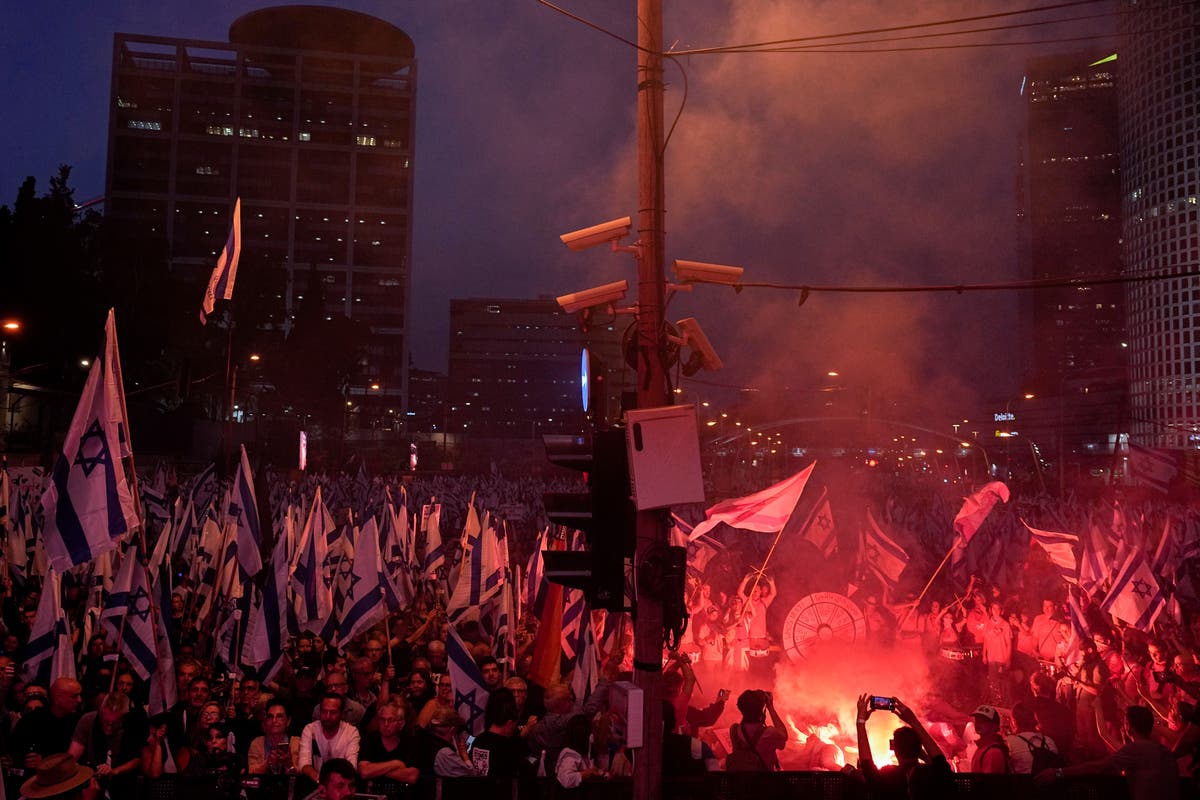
88	504
220	284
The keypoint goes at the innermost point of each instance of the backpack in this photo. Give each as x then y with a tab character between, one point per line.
1043	757
746	759
1003	748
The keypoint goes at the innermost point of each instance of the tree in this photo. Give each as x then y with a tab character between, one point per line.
50	274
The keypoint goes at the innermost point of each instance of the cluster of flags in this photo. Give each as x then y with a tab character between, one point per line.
1120	564
1130	573
338	577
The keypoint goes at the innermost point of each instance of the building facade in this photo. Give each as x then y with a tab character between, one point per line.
1160	135
1070	207
515	368
307	115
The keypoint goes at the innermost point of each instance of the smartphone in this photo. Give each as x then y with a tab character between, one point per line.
883	703
723	694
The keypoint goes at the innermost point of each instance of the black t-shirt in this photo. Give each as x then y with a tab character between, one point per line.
374	752
913	781
41	732
498	756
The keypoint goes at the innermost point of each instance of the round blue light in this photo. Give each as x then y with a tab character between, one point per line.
583	379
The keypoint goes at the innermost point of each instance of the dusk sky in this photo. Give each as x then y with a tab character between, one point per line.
821	168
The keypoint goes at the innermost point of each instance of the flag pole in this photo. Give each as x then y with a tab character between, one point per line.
230	387
929	583
387	632
761	570
134	489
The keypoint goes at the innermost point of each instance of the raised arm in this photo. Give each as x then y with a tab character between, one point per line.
906	715
866	764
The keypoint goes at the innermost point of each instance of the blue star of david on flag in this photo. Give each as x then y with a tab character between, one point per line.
102	458
139	604
474	712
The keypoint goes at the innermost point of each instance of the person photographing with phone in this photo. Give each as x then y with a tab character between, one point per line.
921	769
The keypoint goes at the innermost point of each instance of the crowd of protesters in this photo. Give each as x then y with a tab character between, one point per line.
1017	690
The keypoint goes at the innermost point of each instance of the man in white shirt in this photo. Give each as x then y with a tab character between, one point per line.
329	737
1022	743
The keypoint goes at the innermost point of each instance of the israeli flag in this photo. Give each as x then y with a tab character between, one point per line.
87	503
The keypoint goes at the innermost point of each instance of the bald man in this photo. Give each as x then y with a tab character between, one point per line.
48	730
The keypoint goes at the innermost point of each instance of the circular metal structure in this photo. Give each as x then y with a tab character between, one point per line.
821	617
322	28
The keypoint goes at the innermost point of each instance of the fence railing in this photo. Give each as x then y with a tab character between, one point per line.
710	786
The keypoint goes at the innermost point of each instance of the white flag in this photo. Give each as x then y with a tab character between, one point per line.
87	503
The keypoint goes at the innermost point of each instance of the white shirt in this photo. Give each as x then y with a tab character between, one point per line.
569	768
1020	753
316	748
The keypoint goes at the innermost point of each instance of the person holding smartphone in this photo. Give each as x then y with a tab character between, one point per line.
921	769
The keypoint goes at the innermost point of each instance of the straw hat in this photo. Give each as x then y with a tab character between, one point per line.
56	774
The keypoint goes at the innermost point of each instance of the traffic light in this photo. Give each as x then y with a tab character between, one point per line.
605	514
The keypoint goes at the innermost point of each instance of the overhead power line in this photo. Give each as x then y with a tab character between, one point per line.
959	288
889	29
934	34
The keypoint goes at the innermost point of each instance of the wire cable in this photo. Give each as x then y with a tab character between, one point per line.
934	35
590	24
889	29
959	288
682	102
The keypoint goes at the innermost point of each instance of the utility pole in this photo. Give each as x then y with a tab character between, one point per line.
651	377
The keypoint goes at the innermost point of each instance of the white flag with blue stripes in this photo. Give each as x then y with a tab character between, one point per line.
243	509
220	283
48	653
470	697
87	503
363	605
130	600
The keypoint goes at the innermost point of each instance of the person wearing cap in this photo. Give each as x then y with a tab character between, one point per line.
60	777
328	737
991	754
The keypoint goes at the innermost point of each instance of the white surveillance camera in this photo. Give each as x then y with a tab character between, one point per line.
604	295
703	355
598	234
699	272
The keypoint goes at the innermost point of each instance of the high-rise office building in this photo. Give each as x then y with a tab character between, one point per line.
515	367
307	115
1070	200
1160	134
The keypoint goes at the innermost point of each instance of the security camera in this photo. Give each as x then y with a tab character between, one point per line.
703	355
598	234
699	272
604	295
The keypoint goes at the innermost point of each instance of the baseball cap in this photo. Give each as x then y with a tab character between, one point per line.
987	712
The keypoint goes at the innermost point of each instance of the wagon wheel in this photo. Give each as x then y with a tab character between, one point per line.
821	617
